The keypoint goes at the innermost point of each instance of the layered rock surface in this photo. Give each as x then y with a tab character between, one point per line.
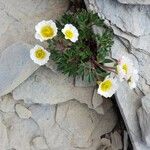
47	110
69	125
144	118
143	2
18	18
15	66
47	87
130	25
41	109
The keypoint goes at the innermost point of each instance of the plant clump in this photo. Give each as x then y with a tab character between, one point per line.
77	51
87	56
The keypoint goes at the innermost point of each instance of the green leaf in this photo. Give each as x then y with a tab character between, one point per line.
108	61
76	59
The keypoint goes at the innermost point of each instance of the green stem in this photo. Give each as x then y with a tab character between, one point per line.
111	69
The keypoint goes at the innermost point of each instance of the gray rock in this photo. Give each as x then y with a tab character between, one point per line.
144	119
144	85
146	103
116	141
105	144
125	140
22	111
19	131
1	116
39	143
15	67
75	125
125	17
129	102
18	24
72	125
44	116
47	87
134	36
105	125
3	137
104	107
79	82
97	100
52	65
135	2
7	103
131	40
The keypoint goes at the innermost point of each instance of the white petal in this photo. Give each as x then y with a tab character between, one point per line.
74	39
133	79
38	37
122	75
73	29
36	60
40	25
111	91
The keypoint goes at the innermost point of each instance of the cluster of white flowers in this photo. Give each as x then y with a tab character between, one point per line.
46	30
125	71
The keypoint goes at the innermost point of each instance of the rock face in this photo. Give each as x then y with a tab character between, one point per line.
39	143
97	100
62	121
52	65
19	131
144	118
145	2
116	141
41	109
131	40
105	144
3	137
72	125
129	102
47	87
15	67
22	111
67	126
146	103
18	24
81	83
7	103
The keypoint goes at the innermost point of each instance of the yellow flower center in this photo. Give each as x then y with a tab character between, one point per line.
40	54
69	34
125	68
106	85
47	31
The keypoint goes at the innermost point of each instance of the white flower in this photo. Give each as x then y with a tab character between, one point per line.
133	79
70	32
108	87
124	68
45	30
39	55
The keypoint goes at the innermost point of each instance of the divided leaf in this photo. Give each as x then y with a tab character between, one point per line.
86	57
